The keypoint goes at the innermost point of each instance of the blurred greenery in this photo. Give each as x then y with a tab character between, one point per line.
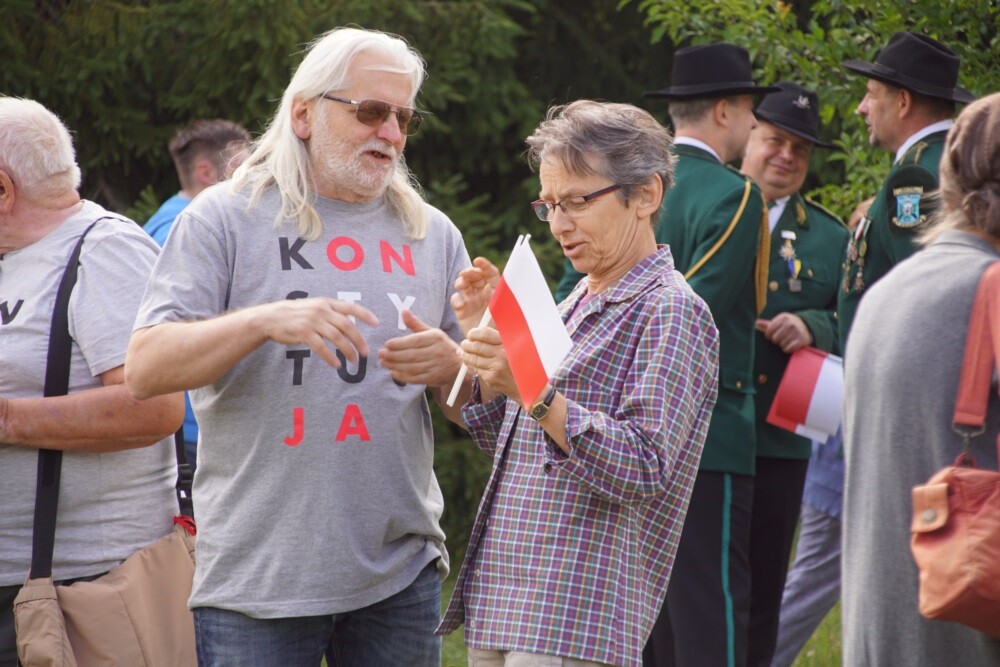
124	74
806	40
462	470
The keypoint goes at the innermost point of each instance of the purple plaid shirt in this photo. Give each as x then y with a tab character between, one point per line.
570	554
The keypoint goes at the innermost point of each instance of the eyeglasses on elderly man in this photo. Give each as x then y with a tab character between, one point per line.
375	112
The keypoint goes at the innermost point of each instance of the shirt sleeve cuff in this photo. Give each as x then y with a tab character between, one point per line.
476	414
577	423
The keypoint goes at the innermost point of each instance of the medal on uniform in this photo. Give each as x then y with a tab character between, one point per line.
787	253
856	238
857	248
862	229
794	284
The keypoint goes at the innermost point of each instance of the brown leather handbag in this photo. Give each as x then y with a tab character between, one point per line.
956	514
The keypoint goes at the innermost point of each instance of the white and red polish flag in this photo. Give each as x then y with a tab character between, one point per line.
811	394
533	334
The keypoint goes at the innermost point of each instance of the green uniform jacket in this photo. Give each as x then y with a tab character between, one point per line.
887	235
708	201
818	243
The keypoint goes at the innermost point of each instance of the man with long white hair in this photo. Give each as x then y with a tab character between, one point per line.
317	503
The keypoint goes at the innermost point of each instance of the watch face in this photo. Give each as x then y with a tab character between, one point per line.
539	410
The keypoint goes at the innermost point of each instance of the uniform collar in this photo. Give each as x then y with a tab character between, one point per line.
695	143
775	210
795	215
940	126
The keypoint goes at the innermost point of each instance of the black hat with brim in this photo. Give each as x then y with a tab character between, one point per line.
711	70
794	109
918	63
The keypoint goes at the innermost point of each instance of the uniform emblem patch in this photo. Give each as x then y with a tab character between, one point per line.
908	207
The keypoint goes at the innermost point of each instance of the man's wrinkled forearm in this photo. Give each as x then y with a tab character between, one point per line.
102	419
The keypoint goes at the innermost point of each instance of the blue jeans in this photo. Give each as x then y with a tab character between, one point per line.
396	631
813	584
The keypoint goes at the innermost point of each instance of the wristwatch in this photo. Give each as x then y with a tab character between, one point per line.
541	408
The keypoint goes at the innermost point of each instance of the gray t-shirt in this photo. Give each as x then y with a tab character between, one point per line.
315	492
110	505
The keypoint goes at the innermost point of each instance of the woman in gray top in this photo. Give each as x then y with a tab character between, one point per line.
902	369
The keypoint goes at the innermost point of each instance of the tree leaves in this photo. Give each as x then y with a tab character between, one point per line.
806	42
125	74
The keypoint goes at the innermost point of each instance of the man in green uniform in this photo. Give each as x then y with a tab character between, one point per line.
908	105
807	243
713	219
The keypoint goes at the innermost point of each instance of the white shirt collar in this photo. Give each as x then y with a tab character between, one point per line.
775	209
688	141
940	126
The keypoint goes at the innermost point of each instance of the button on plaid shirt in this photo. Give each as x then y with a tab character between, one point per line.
570	554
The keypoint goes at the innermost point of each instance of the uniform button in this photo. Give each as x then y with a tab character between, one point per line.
472	624
761	379
773	285
479	573
547	468
739	384
809	272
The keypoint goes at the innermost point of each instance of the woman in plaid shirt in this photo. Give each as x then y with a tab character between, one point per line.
572	547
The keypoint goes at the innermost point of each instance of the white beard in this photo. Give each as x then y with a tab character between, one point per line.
339	166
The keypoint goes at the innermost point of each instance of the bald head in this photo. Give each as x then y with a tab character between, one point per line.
36	150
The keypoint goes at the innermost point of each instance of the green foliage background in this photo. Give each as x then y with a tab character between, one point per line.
806	40
124	74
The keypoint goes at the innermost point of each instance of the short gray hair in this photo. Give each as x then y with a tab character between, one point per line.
618	141
279	158
36	149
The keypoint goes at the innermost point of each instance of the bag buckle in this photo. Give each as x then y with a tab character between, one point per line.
966	433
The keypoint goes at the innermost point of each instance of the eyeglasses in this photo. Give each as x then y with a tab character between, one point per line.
375	112
570	205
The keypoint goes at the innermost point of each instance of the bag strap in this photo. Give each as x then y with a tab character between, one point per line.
56	384
982	344
185	477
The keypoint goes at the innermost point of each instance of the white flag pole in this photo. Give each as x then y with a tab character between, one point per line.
465	369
